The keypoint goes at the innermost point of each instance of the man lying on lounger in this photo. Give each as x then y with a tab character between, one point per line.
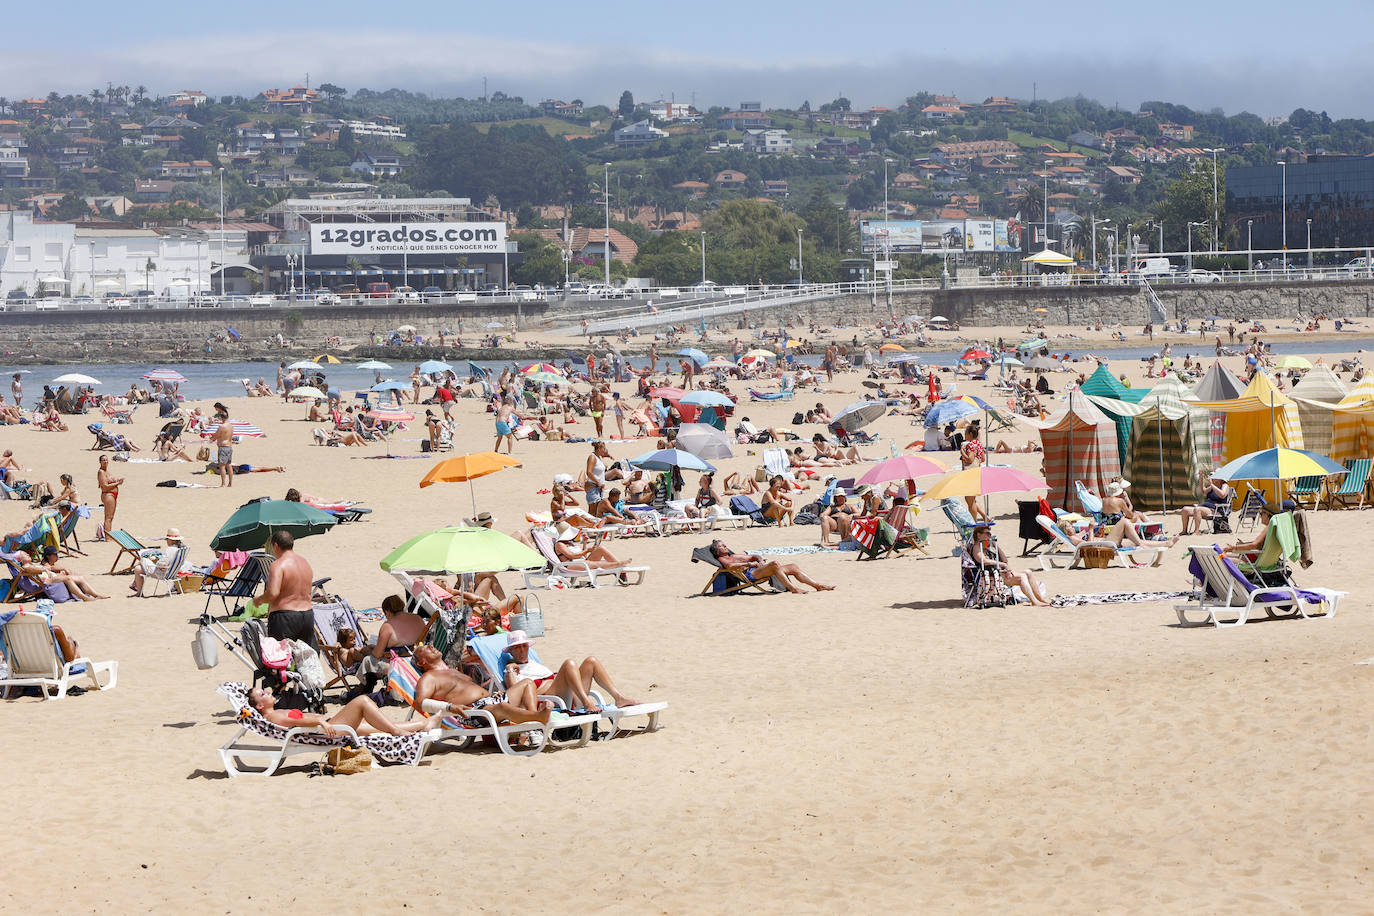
444	685
754	568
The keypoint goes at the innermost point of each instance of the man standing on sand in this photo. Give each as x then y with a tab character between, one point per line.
224	449
17	386
504	428
596	405
287	593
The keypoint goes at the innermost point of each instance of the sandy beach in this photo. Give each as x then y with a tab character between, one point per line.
876	746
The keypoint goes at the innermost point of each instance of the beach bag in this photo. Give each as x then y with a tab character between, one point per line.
205	649
276	653
531	620
1221	524
1097	557
345	761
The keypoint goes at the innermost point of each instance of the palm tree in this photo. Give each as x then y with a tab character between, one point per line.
148	274
140	93
1031	203
1073	237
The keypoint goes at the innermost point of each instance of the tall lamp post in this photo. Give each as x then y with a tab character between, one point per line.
1159	224
1216	208
1250	245
291	274
1191	224
703	260
799	254
1105	222
221	231
887	235
1283	168
1112	233
1309	244
606	190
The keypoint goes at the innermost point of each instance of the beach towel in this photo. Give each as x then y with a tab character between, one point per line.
1117	598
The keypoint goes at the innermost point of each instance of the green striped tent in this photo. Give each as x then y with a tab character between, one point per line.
1168	448
1103	388
1316	393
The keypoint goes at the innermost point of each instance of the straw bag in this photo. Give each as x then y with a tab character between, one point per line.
345	761
1097	557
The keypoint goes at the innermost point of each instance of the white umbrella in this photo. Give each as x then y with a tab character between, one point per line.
63	280
373	364
493	325
75	378
704	441
108	283
303	364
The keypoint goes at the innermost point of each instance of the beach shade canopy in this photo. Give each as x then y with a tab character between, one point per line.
306	391
1316	395
376	364
327	359
538	367
982	481
903	467
892	348
1279	464
1107	392
1352	423
707	399
938	319
1041	362
546	378
761	354
719	362
1006	359
1170	444
1041	311
1048	258
900	358
694	355
457	550
391	386
1079	444
705	441
974	400
406	328
1219	384
1028	346
242	430
1293	361
669	458
858	415
233	333
672	394
1103	384
303	364
1261	417
391	414
165	375
493	325
253	523
75	378
469	468
431	366
951	411
976	353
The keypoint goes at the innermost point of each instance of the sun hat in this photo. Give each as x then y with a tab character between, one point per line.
517	638
566	531
562	478
1115	489
485	518
173	535
863	489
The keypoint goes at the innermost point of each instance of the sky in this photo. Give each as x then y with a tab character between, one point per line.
1261	58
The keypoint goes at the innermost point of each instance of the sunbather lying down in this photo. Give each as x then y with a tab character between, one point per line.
756	569
361	714
1123	532
443	689
569	682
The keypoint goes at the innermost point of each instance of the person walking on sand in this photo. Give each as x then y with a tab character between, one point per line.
504	428
109	492
17	387
287	593
224	449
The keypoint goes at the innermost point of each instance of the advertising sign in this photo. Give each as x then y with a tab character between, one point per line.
407	238
979	235
902	236
1007	235
942	235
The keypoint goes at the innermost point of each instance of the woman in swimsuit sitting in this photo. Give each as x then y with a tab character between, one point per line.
756	569
777	505
361	714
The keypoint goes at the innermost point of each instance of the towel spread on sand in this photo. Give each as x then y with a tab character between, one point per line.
1117	598
799	549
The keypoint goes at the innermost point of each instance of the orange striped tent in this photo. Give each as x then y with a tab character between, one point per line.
1080	444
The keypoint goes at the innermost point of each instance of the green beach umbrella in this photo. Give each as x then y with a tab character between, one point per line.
455	550
252	524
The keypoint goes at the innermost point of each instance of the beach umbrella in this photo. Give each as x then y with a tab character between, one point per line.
1041	362
374	364
903	358
669	458
55	279
242	430
974	400
982	480
391	386
704	441
406	329
694	355
306	391
75	378
303	364
719	362
1279	464
707	399
477	370
493	325
539	367
858	415
391	414
672	394
165	375
1049	258
469	468
233	333
903	467
251	525
326	359
546	378
1041	311
951	411
431	366
1006	359
939	319
106	284
761	354
892	348
1294	362
976	353
456	550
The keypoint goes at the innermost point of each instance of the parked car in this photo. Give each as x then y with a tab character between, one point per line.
491	289
431	294
602	291
379	290
405	294
16	295
1198	275
576	289
1359	265
262	300
706	287
348	292
325	297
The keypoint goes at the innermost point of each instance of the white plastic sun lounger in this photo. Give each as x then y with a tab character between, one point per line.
34	660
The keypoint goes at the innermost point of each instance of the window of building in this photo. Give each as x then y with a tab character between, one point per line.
23	253
52	251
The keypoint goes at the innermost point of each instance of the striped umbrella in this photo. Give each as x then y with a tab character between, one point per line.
327	359
980	481
165	375
546	378
307	391
391	415
539	367
242	430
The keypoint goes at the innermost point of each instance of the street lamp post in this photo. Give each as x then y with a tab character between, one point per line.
1309	244
887	236
703	260
606	193
799	255
1113	234
291	274
1105	222
1216	208
1283	168
1191	224
1250	245
1159	224
221	231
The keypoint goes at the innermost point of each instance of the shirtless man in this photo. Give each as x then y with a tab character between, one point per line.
287	593
596	404
441	686
401	630
505	429
17	387
224	450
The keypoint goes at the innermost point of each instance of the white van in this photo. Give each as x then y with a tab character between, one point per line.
1151	268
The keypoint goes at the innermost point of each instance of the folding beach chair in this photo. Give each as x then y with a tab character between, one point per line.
745	506
106	440
27	588
957	512
242	587
39	534
996	421
329	620
1250	509
1354	485
69	543
128	544
727	580
168	573
1091	503
982	586
34	658
1307	491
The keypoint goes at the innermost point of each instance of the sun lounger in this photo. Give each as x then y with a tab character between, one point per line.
574	570
278	743
1354	485
742	506
128	544
727	580
35	660
1224	588
1148	556
491	650
481	723
959	516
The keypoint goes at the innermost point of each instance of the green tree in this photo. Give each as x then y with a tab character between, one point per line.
542	263
332	92
70	207
749	240
670	258
1189	199
627	104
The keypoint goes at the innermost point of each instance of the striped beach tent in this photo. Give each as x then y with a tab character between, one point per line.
1352	423
1170	446
1080	444
1219	384
1262	417
1104	388
1318	390
242	430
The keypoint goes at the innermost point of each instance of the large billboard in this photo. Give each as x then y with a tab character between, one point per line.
942	235
898	236
938	236
407	238
979	235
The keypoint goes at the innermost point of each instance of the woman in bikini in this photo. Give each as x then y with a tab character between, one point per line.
109	492
361	714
